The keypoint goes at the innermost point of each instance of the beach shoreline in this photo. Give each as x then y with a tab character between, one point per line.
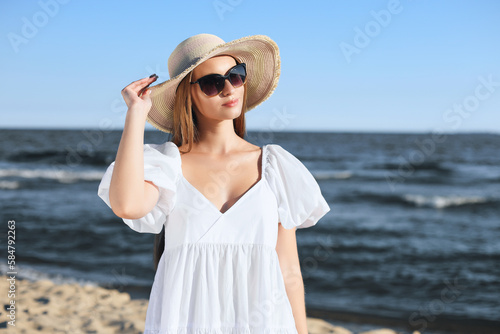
42	306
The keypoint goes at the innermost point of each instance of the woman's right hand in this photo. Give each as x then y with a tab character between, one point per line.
131	96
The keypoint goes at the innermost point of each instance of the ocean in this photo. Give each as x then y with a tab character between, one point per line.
412	238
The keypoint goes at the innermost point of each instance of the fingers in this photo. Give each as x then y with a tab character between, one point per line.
143	91
138	85
141	84
151	79
146	87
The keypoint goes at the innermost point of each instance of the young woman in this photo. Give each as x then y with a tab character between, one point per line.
226	210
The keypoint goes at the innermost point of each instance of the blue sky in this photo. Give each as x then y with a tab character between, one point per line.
408	65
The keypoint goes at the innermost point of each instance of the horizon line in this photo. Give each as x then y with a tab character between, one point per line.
383	131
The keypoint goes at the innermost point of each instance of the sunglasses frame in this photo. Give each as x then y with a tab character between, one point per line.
226	77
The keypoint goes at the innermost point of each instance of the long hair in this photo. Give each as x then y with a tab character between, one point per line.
186	131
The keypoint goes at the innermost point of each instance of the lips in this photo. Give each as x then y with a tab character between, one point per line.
231	103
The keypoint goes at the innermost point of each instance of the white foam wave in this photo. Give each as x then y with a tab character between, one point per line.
328	175
63	176
440	202
9	184
31	274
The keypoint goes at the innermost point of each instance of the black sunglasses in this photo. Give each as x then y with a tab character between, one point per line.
213	84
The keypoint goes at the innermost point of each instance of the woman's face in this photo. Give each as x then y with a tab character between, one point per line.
213	108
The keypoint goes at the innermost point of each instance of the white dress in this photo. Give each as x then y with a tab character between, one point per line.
219	272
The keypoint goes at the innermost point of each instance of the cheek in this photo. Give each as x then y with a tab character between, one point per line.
241	91
203	104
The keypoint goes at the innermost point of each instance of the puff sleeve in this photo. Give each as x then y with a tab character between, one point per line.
162	166
300	202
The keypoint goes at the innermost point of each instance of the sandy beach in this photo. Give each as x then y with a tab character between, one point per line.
45	307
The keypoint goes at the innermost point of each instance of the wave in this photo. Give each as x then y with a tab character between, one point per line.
418	200
332	175
427	165
94	158
62	176
24	272
9	185
441	202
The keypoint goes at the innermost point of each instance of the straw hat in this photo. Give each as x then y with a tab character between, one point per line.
259	52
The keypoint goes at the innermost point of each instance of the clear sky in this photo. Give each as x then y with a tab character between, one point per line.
408	65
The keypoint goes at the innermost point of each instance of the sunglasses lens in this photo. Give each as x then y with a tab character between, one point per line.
211	85
237	76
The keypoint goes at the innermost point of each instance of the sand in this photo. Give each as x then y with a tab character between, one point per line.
45	307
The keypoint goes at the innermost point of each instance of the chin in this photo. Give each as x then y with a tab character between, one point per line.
233	113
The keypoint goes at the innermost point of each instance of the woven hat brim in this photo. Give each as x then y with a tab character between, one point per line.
259	52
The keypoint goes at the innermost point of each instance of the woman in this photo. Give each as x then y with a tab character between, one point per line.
228	209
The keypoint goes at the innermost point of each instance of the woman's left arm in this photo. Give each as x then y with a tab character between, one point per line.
286	247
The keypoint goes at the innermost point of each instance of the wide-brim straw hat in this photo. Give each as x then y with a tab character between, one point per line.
259	52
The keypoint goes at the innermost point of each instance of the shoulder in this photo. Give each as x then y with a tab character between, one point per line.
279	156
165	156
276	149
284	165
167	148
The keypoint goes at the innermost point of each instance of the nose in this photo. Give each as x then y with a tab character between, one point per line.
228	88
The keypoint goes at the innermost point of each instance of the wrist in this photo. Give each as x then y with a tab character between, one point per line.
135	114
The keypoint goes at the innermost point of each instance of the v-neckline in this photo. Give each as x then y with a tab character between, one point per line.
242	197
